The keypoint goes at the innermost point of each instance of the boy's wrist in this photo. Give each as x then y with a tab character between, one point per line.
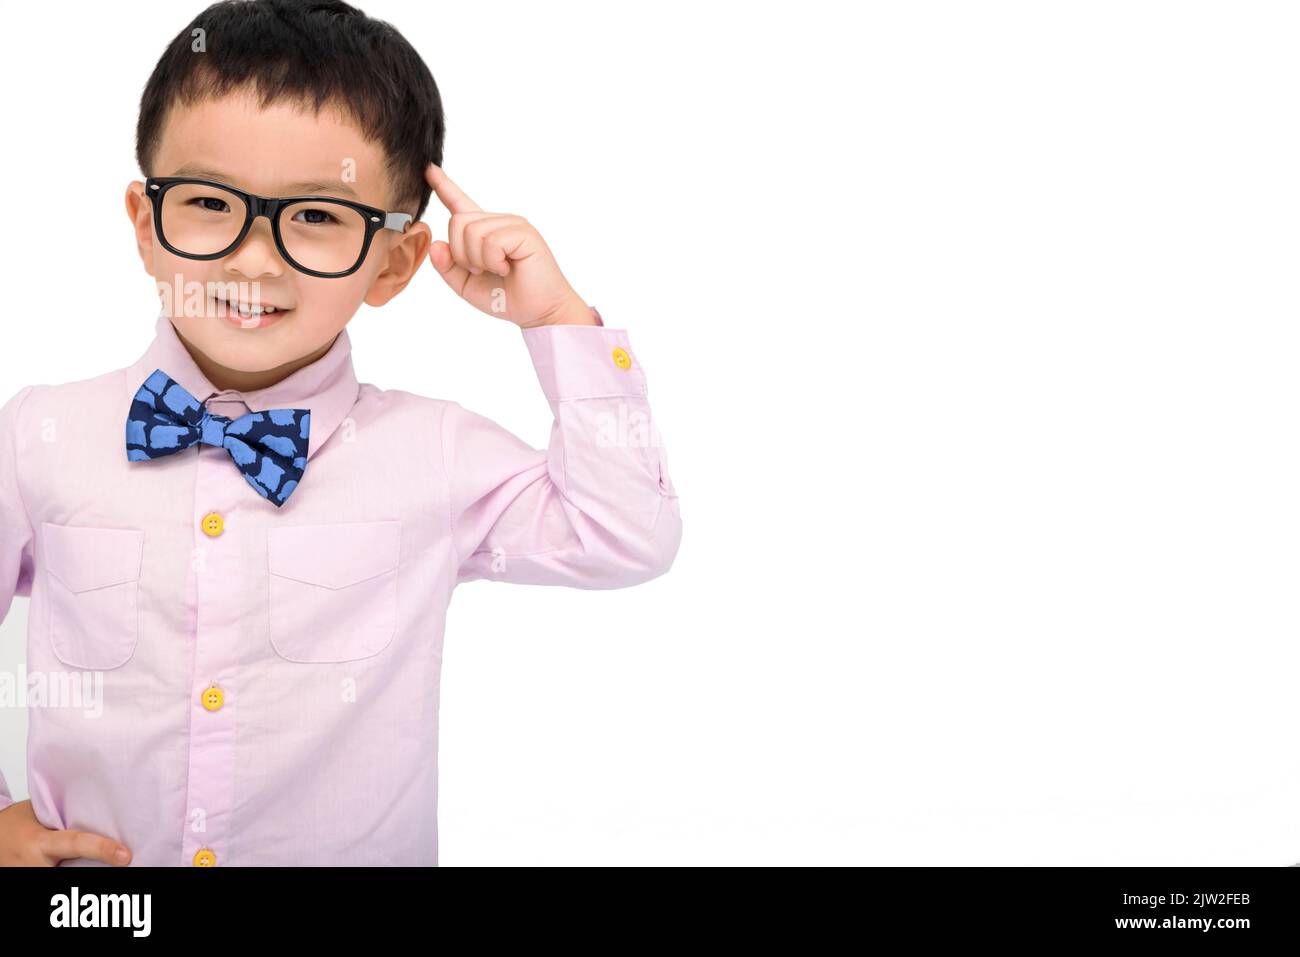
572	313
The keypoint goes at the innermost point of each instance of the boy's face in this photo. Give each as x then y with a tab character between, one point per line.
271	152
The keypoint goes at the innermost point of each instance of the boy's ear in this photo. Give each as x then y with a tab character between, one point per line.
140	212
405	255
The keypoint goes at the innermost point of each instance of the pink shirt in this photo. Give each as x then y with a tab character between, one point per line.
270	675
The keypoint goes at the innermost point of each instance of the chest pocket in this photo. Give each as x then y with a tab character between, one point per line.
333	589
94	577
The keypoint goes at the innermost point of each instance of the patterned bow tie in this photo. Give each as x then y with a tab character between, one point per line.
270	448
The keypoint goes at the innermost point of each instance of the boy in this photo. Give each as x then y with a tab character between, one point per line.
259	573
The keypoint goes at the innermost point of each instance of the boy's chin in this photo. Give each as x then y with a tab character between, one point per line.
240	348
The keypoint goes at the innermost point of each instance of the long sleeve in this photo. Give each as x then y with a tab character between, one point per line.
15	529
597	508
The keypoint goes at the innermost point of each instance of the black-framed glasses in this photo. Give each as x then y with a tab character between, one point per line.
323	236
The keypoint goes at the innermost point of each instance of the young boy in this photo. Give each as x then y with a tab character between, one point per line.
251	550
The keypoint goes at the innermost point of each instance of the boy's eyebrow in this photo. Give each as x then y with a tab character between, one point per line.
290	189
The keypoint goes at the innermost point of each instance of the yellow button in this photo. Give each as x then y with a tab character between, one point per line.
205	858
622	359
213	698
213	524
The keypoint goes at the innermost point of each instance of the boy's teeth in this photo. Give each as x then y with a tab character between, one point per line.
247	310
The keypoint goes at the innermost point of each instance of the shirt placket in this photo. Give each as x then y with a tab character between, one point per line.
215	577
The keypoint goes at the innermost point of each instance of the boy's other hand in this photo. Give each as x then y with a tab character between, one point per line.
500	264
26	842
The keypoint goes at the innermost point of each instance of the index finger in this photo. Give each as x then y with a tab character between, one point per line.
65	845
452	196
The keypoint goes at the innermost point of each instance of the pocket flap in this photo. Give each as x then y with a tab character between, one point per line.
334	556
85	557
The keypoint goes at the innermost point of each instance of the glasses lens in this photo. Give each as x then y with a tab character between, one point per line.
201	220
322	235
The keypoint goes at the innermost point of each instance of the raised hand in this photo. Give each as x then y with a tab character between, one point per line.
499	263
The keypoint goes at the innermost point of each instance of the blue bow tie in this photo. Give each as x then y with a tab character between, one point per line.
270	448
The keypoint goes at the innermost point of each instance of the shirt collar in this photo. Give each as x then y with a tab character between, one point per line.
328	386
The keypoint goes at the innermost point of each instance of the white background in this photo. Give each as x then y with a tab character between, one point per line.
971	333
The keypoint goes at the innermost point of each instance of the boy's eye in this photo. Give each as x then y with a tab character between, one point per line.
314	217
211	204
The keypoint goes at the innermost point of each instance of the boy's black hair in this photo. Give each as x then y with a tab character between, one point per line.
314	52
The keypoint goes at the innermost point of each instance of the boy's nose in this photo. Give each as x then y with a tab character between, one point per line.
257	255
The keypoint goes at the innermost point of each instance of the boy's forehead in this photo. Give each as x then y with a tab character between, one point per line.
279	150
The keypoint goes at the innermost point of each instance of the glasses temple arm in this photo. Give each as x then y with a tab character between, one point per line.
397	221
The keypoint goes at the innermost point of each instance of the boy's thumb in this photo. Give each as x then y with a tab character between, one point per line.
440	255
455	276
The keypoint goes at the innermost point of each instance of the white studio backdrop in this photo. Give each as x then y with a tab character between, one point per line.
971	331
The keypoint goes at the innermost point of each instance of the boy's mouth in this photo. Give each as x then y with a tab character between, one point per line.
247	315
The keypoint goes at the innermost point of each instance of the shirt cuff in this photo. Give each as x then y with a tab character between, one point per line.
584	362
